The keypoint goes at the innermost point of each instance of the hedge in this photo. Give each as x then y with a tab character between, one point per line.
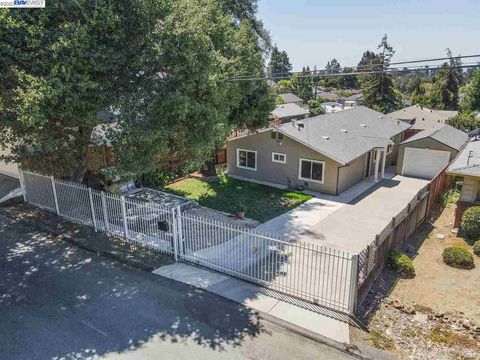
401	263
458	257
471	222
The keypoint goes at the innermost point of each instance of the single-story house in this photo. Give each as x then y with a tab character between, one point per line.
422	118
467	166
351	101
288	112
331	106
290	98
428	152
326	153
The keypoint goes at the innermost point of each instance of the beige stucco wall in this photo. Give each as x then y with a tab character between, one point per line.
426	143
10	169
471	186
351	174
269	171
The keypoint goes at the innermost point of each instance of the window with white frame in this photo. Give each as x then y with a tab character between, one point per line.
311	170
279	158
247	159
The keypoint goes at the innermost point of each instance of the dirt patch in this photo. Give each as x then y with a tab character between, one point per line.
436	314
87	238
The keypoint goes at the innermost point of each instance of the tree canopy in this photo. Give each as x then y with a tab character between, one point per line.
279	63
164	65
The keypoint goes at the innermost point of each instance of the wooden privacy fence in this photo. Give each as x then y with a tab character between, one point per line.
373	259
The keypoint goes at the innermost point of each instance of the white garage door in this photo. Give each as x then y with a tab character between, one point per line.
424	163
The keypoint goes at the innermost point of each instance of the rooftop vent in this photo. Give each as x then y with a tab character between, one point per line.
325	137
300	125
344	131
363	125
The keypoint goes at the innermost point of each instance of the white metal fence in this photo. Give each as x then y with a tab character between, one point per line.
317	274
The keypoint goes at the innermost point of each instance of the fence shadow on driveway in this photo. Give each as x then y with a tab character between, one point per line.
58	301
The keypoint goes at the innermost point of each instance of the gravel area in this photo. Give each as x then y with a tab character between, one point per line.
434	315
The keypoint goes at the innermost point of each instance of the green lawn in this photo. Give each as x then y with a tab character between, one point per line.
261	202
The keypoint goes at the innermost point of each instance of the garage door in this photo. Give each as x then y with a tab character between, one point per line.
424	163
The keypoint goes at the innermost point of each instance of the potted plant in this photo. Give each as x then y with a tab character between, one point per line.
241	211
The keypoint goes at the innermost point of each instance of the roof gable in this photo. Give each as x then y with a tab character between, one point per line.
446	134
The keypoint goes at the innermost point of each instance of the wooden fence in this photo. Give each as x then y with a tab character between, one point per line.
373	259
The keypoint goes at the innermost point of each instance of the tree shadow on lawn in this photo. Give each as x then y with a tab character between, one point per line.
388	279
261	202
58	301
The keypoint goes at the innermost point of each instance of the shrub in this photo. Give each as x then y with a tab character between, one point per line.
476	248
458	257
401	263
471	222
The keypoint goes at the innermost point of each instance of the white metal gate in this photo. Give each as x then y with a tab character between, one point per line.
313	273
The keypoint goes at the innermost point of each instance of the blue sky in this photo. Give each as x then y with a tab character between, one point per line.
315	31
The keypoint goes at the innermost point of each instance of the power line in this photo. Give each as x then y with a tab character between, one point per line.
366	69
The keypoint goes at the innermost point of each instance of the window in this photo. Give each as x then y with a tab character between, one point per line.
311	170
389	148
279	158
247	159
276	136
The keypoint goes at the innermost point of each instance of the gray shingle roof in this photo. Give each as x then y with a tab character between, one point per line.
290	98
345	135
467	161
444	134
422	118
289	110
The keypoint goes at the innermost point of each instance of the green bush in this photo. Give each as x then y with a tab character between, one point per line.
401	263
458	257
157	178
476	248
471	222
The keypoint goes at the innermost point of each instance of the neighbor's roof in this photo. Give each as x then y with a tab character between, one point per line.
422	118
289	110
444	134
345	135
327	95
331	103
467	161
290	98
353	97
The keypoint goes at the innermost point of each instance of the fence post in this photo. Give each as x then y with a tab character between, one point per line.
92	209
352	306
105	213
179	230
175	235
124	217
55	198
22	184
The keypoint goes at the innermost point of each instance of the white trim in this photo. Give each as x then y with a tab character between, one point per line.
279	161
313	161
391	150
246	167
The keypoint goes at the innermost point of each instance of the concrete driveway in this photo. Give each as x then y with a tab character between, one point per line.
354	226
61	302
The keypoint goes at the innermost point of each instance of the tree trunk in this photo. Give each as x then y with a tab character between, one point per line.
82	145
209	168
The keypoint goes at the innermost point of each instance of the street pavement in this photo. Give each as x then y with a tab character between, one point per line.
58	301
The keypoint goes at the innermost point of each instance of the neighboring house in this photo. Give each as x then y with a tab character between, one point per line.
351	101
291	99
10	169
467	166
422	118
428	152
327	153
331	106
327	95
288	112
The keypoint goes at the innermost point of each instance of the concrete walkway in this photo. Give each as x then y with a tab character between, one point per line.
298	221
316	319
